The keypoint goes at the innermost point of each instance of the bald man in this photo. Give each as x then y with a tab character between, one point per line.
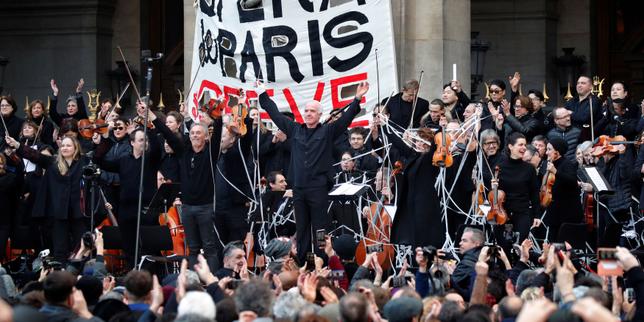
311	163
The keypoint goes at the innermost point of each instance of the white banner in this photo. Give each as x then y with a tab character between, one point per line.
302	49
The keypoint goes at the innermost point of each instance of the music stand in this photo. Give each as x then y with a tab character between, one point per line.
167	192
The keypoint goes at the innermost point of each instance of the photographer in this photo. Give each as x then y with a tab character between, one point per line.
427	284
81	261
470	247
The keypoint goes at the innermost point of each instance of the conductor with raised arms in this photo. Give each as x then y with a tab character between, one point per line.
311	162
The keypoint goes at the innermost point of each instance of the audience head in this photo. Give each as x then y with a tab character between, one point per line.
138	285
276	181
471	238
234	256
197	303
58	287
254	297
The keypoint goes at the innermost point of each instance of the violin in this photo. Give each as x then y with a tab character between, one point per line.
442	156
605	144
239	113
496	197
479	197
171	218
378	232
141	120
545	193
87	128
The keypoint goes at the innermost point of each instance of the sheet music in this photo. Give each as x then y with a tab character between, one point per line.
346	189
391	210
596	179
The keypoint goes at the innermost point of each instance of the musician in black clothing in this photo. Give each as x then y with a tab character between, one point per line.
455	101
400	106
197	172
518	180
566	205
75	104
435	117
232	184
311	162
13	123
62	194
278	204
36	113
581	105
128	167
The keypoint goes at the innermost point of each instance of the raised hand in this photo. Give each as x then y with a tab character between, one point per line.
514	81
54	87
362	89
80	85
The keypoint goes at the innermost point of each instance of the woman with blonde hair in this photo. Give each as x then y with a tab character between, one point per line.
61	196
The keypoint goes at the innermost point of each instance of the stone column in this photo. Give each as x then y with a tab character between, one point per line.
65	40
431	35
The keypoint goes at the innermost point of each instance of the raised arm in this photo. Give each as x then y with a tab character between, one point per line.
282	122
344	121
82	110
28	153
53	109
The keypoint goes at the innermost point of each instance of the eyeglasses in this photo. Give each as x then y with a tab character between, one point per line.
5	105
490	143
496	91
119	128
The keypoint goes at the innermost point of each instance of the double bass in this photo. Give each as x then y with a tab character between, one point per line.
379	229
114	258
496	197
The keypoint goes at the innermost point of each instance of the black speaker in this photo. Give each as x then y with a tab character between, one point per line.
112	237
155	239
575	234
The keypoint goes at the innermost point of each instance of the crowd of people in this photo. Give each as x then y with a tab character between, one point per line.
490	210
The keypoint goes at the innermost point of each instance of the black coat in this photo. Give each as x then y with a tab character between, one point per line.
14	125
618	171
571	135
400	111
526	125
46	134
566	203
60	195
58	118
418	219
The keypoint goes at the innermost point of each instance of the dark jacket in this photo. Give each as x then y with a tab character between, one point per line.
14	125
230	170
312	149
462	275
57	313
458	109
58	118
635	279
526	125
638	176
400	111
60	195
418	218
46	134
618	171
275	156
571	136
566	205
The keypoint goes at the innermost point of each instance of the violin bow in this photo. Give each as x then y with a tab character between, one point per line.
413	109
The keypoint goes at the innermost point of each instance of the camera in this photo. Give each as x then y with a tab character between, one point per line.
429	252
494	251
88	240
91	171
50	263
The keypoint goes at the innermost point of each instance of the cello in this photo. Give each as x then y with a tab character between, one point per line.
379	229
171	218
496	197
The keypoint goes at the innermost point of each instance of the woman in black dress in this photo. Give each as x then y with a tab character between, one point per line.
418	218
518	180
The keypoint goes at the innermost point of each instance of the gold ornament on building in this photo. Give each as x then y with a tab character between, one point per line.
180	98
521	89
93	102
546	98
27	106
598	86
568	94
161	106
487	90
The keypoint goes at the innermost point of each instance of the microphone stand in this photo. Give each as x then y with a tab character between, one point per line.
149	61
